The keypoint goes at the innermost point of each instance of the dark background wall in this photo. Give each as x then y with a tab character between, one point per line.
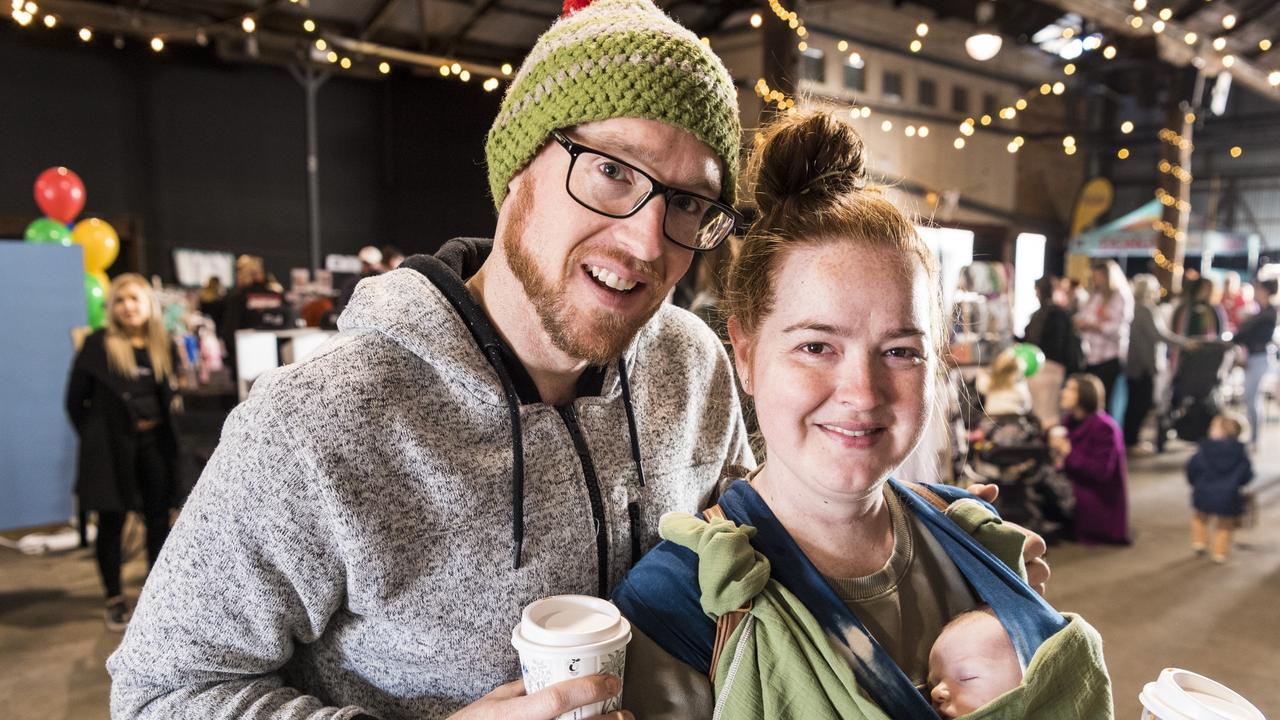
180	150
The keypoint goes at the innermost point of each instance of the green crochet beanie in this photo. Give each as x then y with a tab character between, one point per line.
615	59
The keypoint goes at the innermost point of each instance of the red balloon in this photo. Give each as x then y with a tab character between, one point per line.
60	194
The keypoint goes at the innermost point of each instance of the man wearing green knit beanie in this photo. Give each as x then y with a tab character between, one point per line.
503	421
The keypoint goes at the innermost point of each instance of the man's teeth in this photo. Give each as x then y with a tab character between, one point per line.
850	433
608	278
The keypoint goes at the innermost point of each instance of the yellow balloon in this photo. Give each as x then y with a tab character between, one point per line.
102	278
100	242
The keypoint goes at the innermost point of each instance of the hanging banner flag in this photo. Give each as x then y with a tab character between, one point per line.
1095	198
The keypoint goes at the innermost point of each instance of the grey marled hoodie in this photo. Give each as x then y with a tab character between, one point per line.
348	549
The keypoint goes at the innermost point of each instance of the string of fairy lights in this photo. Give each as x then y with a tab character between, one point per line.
782	102
323	49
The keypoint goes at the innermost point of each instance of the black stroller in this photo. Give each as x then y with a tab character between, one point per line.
1010	451
1196	391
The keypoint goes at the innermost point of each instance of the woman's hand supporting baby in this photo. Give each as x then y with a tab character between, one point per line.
1033	550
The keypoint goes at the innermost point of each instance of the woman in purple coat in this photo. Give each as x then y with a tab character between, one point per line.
1092	456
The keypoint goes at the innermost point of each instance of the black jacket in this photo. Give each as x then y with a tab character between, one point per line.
1050	329
107	477
1257	331
1216	473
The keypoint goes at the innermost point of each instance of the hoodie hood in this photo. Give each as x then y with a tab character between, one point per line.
393	305
1224	457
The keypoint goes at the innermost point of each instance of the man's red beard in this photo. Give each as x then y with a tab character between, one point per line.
595	335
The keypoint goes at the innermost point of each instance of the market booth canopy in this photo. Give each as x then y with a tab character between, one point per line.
1135	234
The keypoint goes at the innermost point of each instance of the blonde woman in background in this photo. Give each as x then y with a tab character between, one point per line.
118	398
1103	323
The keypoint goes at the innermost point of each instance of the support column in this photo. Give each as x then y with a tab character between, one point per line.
311	80
1173	188
781	61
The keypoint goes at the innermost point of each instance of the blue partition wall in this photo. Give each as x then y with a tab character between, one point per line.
41	301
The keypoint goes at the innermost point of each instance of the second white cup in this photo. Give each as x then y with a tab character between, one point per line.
1184	695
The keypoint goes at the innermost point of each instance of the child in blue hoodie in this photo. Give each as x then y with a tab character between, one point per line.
1217	472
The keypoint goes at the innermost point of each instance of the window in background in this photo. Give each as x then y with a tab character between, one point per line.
891	85
1028	267
990	105
927	92
855	73
960	99
813	65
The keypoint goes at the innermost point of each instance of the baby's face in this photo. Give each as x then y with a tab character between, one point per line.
971	664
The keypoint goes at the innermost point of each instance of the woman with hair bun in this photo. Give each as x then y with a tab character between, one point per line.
817	585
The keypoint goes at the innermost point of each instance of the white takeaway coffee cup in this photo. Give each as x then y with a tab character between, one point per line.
1184	695
570	636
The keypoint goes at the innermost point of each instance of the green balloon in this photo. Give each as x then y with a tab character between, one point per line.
1032	357
95	298
47	231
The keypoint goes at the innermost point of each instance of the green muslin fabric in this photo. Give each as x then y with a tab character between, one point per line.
779	663
615	59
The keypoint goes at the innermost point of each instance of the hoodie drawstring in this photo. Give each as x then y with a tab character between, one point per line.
517	454
631	419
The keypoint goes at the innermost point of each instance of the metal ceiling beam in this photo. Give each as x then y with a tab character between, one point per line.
1113	15
381	11
477	12
275	47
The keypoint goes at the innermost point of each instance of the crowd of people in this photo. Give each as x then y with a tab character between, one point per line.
1114	334
529	416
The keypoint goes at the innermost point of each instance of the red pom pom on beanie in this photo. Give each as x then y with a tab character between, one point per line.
573	6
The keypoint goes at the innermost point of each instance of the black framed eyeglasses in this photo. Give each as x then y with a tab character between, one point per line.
615	188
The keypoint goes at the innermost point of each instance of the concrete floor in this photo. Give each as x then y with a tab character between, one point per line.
1155	604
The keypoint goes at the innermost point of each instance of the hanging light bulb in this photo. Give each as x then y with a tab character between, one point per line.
984	44
506	68
157	44
756	20
384	67
309	25
86	34
248	24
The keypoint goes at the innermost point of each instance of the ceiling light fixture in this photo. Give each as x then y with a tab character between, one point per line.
985	43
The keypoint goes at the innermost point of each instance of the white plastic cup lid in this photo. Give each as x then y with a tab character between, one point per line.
570	620
1184	695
